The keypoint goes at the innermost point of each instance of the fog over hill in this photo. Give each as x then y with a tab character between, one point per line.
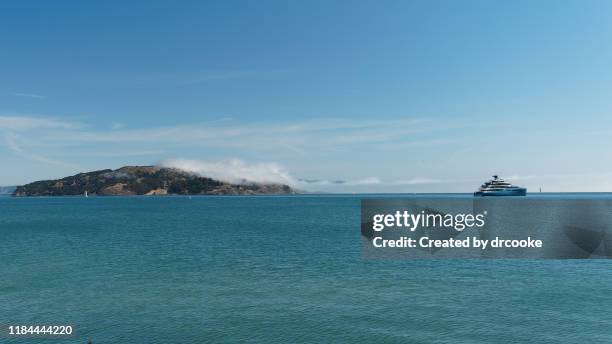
145	180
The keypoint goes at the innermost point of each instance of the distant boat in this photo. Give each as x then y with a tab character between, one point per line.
499	187
86	193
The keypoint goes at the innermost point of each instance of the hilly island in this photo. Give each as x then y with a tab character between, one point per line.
145	180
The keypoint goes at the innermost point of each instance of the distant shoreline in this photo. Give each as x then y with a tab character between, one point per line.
361	194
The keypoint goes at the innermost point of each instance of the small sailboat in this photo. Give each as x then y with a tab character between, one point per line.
86	194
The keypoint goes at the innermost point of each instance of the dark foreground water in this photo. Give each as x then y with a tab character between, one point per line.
270	270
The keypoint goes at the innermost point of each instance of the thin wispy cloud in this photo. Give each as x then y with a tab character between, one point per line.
21	123
218	76
431	181
419	181
180	79
11	142
323	182
27	95
296	135
364	181
516	177
119	154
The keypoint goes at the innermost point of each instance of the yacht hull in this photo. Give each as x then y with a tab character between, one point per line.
513	192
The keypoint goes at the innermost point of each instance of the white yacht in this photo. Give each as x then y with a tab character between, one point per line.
499	187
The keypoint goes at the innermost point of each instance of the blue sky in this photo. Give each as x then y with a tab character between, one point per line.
409	96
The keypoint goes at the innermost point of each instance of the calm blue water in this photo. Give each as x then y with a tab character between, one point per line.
270	270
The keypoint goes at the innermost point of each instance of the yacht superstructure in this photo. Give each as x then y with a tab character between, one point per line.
499	187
